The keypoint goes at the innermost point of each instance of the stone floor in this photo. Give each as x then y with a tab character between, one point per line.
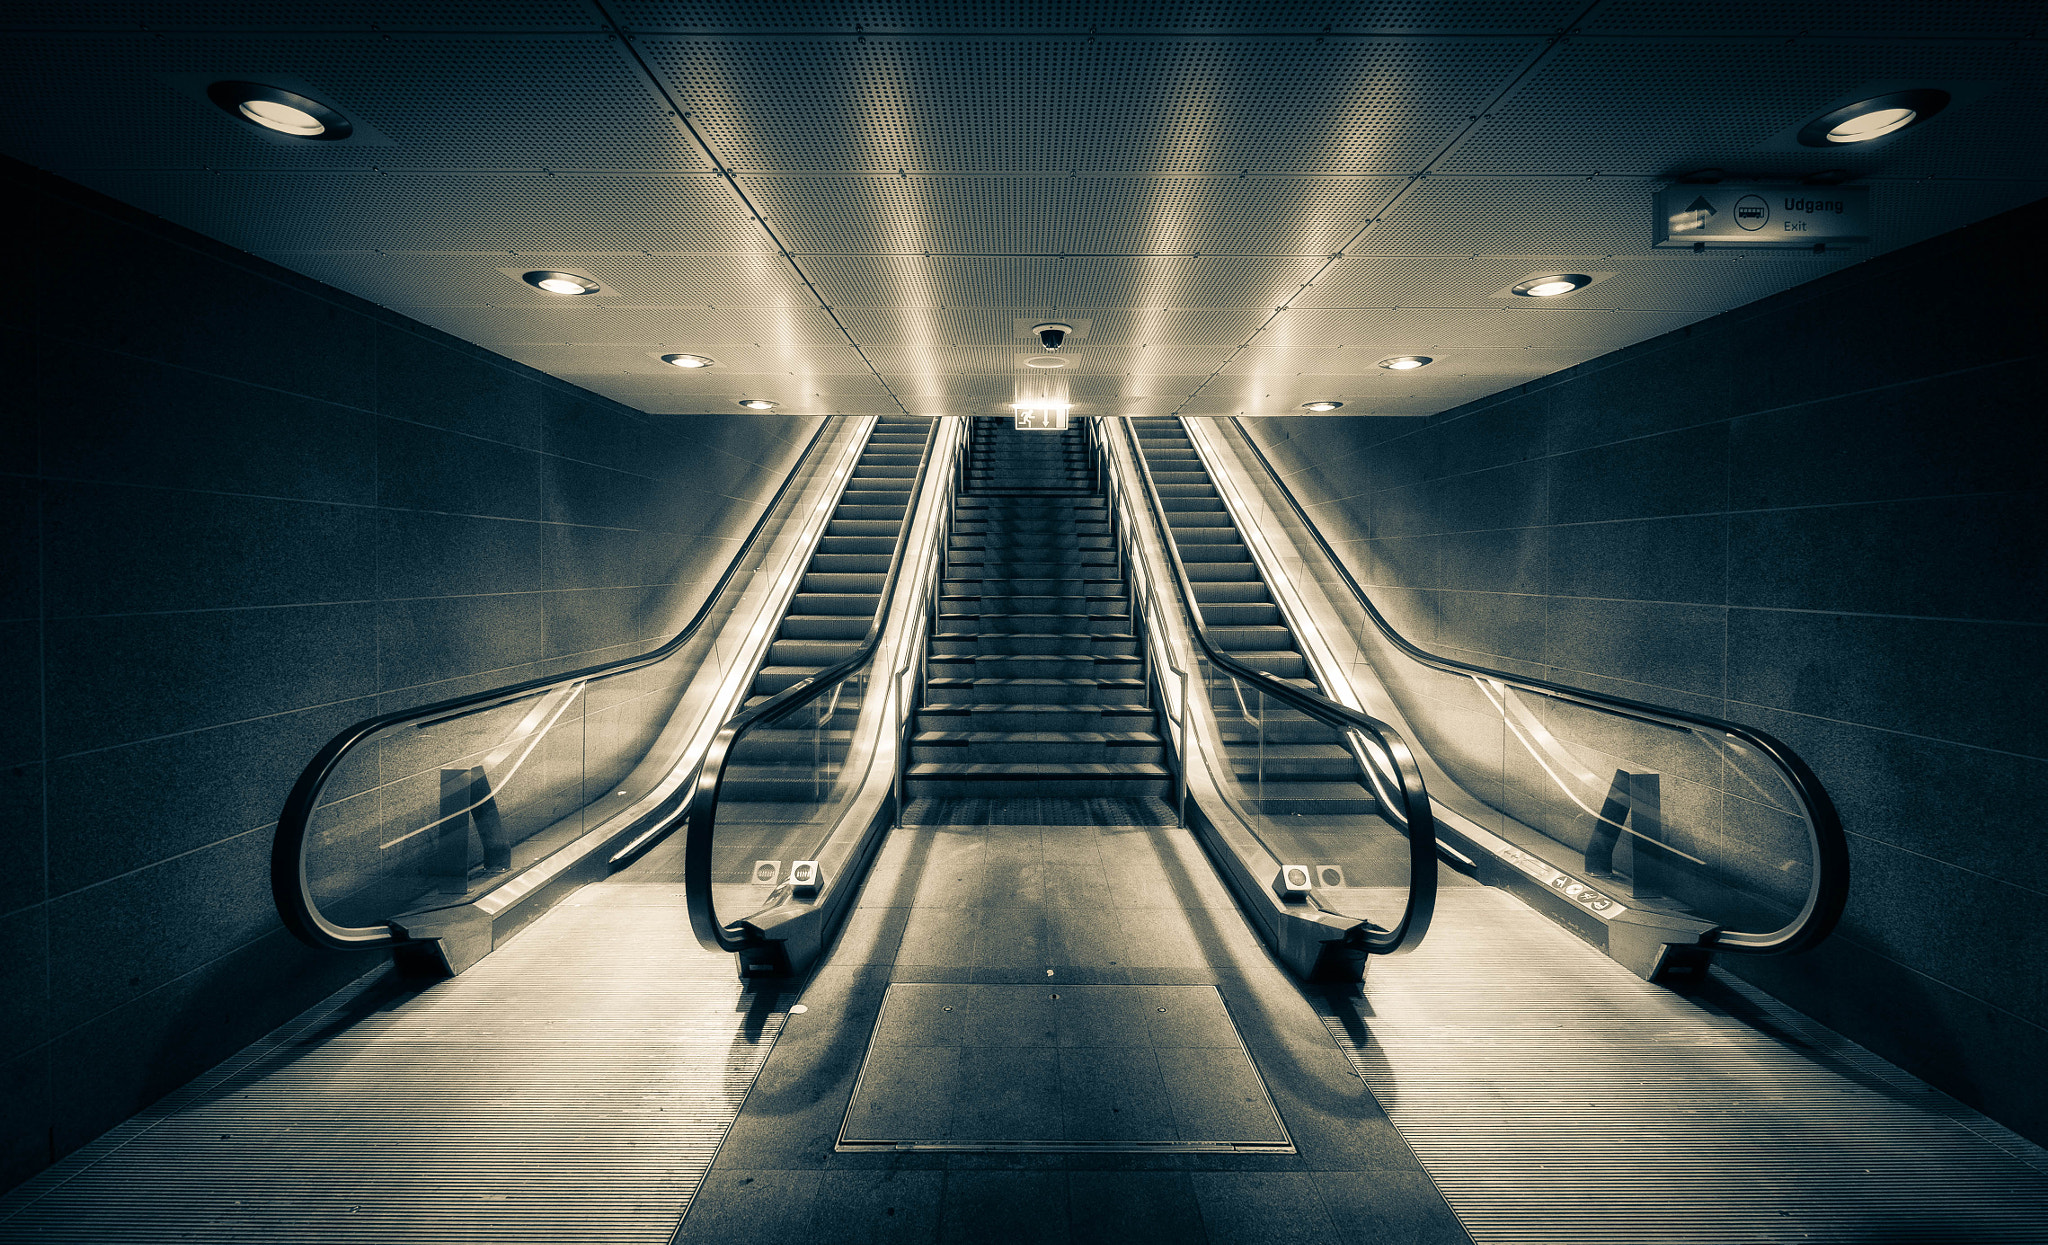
1056	907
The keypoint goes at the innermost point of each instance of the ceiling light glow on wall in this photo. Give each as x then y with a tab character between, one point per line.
1550	285
279	111
1320	406
560	282
1406	362
1873	118
686	360
757	404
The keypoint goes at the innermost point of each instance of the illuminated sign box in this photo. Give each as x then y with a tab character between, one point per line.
1776	216
1041	421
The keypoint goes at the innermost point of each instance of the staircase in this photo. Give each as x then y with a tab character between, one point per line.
795	759
1296	768
1035	685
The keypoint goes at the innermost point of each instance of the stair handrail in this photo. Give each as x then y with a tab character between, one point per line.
1405	782
703	812
291	890
1829	892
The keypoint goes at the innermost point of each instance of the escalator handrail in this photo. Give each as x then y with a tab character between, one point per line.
1830	891
1417	817
289	887
703	810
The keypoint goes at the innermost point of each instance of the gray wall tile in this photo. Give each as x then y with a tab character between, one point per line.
422	468
1682	472
1902	674
129	421
113	549
112	680
443	384
24	981
1897	558
21	688
20	550
436	638
21	837
1677	559
421	554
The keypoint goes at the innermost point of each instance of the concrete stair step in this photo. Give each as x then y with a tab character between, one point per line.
1043	690
1098	623
1021	642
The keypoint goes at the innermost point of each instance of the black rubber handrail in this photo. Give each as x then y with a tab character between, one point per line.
703	814
1417	818
1830	890
288	885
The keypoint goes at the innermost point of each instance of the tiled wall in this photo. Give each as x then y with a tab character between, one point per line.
1825	515
243	510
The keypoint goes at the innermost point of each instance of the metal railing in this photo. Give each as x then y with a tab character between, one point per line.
467	792
1382	754
1827	890
698	860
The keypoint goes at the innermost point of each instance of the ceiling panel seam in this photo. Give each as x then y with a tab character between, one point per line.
1557	40
725	174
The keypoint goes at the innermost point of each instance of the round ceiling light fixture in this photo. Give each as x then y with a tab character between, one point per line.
1406	362
279	111
1873	118
560	282
1044	361
686	360
1320	406
757	404
1552	284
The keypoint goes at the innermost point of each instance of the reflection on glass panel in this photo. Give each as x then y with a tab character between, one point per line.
1656	812
787	783
1301	786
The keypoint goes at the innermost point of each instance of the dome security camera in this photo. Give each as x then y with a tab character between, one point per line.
1052	336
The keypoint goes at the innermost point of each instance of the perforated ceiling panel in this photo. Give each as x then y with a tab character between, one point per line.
1950	19
1068	215
1656	106
376	15
1208	17
1159	106
444	211
863	206
438	101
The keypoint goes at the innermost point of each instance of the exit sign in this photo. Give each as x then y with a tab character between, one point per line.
1041	421
1718	215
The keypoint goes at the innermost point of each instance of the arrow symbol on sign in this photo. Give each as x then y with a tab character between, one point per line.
1693	217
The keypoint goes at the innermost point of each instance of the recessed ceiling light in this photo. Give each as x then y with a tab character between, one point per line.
686	360
1552	284
1042	405
1045	361
1873	118
1405	362
279	111
757	404
560	282
1320	406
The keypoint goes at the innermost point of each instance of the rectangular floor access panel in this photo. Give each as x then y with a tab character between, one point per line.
1160	1069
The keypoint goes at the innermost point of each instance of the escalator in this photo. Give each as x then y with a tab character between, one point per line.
769	790
1309	787
1661	836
